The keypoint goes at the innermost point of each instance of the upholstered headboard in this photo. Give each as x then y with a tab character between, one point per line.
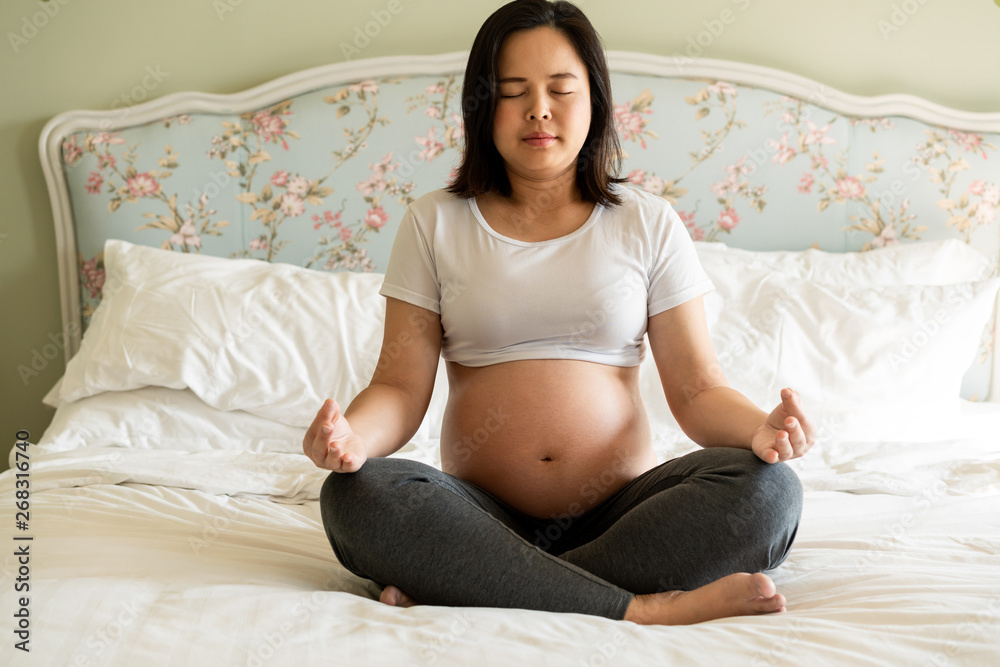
316	168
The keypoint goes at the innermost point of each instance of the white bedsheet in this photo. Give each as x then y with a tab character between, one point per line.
207	555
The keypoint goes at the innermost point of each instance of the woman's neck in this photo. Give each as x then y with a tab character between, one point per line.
543	199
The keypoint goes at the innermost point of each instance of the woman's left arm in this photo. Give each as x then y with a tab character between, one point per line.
710	412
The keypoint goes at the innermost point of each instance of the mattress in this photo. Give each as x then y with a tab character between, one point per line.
171	549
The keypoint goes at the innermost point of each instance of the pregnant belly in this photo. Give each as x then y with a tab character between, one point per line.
549	437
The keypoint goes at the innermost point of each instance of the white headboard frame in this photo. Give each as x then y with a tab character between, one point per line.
65	124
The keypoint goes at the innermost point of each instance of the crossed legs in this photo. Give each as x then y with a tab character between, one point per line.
676	545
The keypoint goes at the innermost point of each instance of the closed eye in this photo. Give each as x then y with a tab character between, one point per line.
554	92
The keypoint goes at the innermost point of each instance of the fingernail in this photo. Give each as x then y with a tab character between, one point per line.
327	430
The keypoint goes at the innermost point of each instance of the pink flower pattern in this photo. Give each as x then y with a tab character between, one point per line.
806	183
376	217
270	127
186	235
93	277
71	151
94	182
886	238
298	186
631	124
292	205
728	219
143	185
432	147
329	218
850	188
832	175
107	138
784	152
972	143
377	181
817	135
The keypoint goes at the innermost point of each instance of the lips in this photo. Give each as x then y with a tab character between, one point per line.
539	139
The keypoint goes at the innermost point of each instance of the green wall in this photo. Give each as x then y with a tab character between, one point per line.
96	55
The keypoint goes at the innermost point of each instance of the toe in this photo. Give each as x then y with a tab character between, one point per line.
390	595
762	585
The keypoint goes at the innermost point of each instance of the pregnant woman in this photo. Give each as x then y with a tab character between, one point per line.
537	276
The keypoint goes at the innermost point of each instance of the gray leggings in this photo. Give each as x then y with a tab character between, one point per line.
678	526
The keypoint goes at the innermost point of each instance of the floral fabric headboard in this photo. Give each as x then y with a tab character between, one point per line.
316	168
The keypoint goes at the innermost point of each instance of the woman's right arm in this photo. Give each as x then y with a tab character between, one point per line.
385	415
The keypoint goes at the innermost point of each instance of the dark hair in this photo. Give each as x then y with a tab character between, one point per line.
482	169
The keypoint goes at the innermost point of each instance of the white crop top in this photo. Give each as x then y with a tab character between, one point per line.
586	295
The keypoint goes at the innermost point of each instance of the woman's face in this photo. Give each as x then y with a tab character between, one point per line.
543	110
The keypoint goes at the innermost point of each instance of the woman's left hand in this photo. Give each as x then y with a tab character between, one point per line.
786	434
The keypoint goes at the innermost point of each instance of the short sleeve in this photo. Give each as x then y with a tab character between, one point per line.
676	274
410	275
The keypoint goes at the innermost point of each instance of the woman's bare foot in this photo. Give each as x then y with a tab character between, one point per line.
394	597
738	594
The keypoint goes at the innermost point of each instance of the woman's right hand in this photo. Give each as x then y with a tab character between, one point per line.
330	443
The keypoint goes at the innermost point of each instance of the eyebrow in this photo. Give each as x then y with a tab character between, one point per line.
520	79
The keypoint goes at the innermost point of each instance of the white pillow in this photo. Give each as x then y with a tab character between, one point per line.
924	263
161	418
176	419
274	340
897	403
823	302
904	347
880	363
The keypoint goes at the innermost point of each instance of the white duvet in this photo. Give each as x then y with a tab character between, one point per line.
170	533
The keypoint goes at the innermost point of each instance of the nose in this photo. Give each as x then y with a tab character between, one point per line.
539	110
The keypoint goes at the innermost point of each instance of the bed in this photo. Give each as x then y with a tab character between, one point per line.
168	515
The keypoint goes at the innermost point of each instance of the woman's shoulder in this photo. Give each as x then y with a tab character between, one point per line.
439	202
641	206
